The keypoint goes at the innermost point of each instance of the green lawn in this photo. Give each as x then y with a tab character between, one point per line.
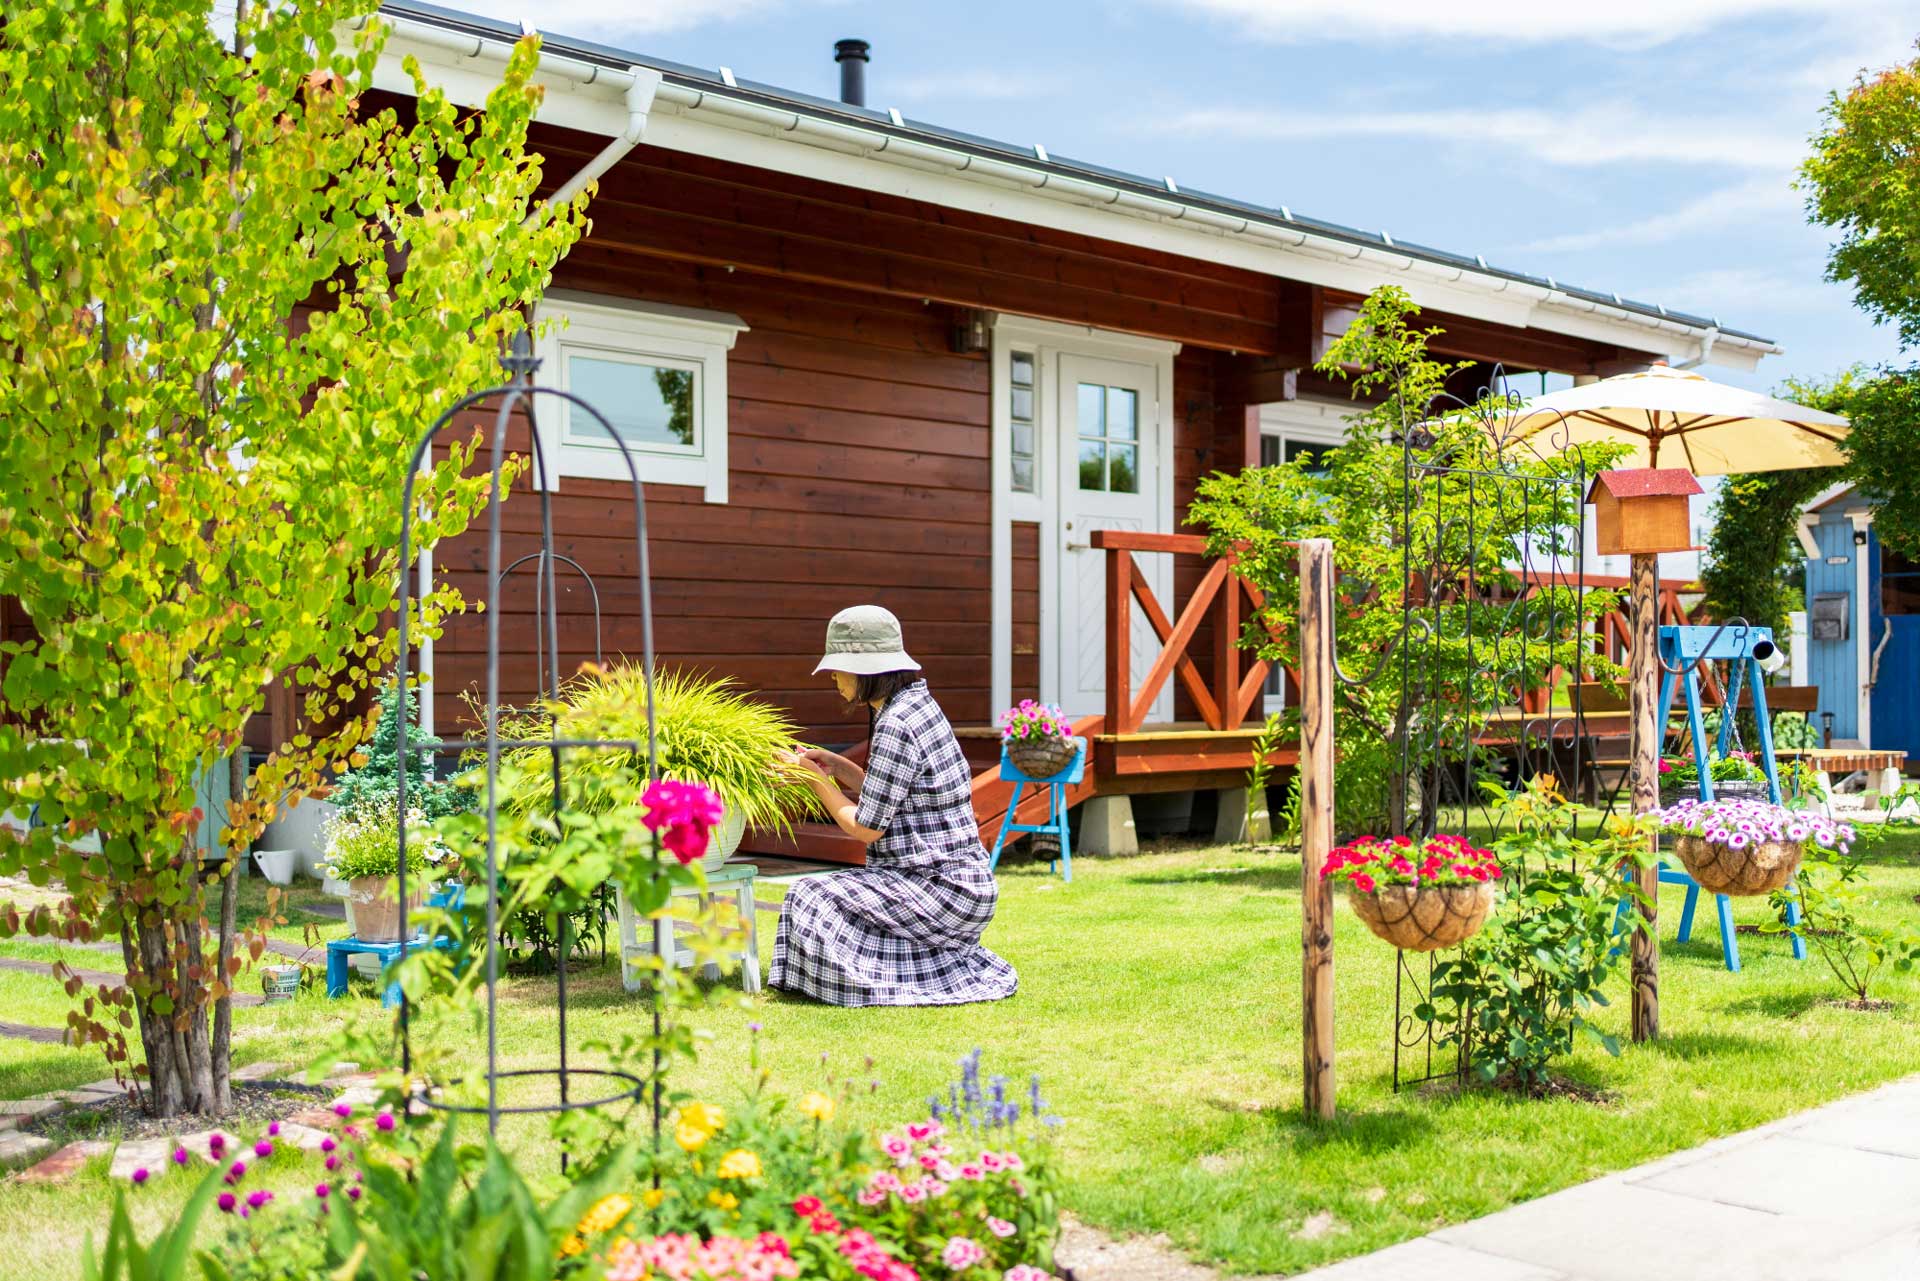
1160	1002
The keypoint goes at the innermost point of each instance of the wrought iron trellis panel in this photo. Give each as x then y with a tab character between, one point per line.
520	395
1482	651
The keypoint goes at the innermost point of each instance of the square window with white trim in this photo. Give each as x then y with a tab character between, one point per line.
655	376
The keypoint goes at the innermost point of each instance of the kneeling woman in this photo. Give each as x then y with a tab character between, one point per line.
905	929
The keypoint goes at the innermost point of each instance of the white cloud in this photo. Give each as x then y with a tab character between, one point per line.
606	18
1579	138
1619	22
1726	207
1731	291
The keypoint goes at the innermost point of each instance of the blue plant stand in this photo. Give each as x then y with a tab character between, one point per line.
1056	785
340	952
1682	646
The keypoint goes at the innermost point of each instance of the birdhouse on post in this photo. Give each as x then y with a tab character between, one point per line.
1643	510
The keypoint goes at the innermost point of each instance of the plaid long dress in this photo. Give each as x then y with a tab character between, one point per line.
905	929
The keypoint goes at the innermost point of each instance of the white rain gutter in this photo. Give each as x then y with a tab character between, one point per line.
644	84
1706	349
756	117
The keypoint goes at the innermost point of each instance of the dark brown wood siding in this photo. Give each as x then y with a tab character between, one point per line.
1026	610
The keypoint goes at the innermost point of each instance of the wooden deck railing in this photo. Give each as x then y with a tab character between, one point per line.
1237	677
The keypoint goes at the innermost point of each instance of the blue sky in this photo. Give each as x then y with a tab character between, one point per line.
1640	146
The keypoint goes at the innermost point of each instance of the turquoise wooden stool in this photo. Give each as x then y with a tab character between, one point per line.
1056	785
340	952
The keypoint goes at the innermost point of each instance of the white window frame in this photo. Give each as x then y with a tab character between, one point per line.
1310	420
624	330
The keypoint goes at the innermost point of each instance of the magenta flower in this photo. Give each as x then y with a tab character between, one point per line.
327	1144
321	1190
333	1163
384	1122
215	1142
227	1202
682	814
179	1156
273	1129
260	1198
140	1175
236	1171
353	1193
263	1149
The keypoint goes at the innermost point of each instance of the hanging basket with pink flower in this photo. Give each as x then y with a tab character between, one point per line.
1038	738
1420	896
1744	848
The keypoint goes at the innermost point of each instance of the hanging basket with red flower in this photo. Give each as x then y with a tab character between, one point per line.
1419	896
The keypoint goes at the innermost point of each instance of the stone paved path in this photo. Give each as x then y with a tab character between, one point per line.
1828	1195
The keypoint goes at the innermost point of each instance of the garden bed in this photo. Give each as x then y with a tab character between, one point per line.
1174	1059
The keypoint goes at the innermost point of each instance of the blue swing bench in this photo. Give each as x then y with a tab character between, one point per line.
1056	785
340	952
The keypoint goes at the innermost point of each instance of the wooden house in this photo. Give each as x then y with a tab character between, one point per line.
1862	626
871	359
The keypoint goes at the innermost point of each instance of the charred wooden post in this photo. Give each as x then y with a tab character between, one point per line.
1644	785
1316	825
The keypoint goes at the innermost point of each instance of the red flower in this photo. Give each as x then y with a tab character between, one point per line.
807	1206
824	1222
1363	883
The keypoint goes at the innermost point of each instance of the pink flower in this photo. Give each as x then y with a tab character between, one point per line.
384	1122
896	1147
327	1144
962	1253
226	1202
343	1110
913	1194
1363	883
920	1131
140	1175
1027	1272
972	1171
990	1160
871	1196
264	1148
353	1193
886	1181
934	1188
260	1198
682	814
928	1161
1012	1161
999	1227
807	1206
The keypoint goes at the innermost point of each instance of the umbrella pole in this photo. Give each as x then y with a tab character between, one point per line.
1644	784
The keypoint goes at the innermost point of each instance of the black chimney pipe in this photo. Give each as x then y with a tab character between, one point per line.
853	59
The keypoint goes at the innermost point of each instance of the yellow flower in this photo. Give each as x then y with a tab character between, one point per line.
816	1105
739	1164
703	1116
571	1246
691	1137
725	1200
652	1197
606	1213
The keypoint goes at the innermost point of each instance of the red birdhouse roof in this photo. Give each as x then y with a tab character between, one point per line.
1646	482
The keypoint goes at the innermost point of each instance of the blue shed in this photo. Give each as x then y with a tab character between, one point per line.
1863	625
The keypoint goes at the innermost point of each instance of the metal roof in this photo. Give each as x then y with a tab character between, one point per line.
1035	157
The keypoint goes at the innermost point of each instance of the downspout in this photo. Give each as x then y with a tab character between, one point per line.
1862	522
640	94
1706	349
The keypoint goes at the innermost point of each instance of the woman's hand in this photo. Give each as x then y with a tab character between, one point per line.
801	766
837	767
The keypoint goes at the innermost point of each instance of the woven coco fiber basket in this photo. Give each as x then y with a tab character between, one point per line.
1424	918
1759	868
1041	757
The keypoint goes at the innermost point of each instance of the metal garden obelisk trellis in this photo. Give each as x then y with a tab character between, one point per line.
518	397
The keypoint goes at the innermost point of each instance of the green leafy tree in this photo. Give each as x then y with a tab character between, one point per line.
1860	181
377	780
1371	495
231	295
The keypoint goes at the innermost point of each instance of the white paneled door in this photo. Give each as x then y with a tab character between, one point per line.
1108	426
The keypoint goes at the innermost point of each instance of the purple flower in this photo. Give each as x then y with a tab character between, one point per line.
353	1193
227	1202
343	1110
273	1129
179	1156
384	1122
140	1175
215	1142
753	1027
333	1163
236	1171
264	1148
321	1190
327	1144
260	1198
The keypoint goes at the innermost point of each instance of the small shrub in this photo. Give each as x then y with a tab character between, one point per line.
1831	888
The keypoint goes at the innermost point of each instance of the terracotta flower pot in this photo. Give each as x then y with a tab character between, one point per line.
376	910
1759	867
1041	757
1423	918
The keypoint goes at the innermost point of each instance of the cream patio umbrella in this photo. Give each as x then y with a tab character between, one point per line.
1677	418
1670	417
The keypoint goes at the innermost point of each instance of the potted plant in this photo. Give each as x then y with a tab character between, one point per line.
707	731
1744	848
1735	778
280	981
1038	738
1418	896
363	850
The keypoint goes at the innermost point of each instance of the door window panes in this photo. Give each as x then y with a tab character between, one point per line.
1020	418
1109	427
648	405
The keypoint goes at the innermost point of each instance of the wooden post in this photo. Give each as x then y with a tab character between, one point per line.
1643	655
1226	649
1316	826
1120	641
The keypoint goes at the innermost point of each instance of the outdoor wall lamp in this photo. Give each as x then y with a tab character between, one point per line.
972	330
1826	729
1859	538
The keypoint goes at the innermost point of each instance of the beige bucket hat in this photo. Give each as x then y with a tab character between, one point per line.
865	640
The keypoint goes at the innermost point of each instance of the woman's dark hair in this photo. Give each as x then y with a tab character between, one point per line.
881	685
